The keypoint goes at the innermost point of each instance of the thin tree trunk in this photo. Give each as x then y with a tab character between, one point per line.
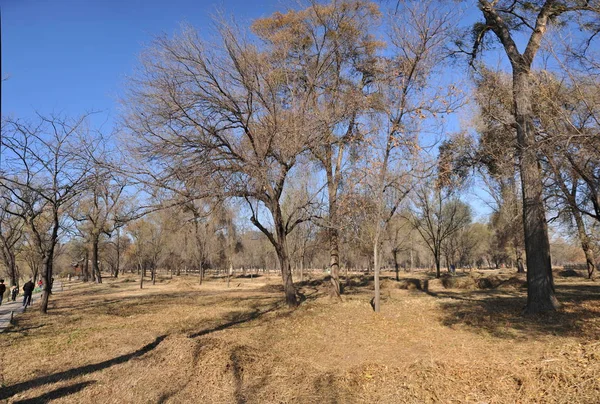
118	252
377	298
95	259
396	266
86	267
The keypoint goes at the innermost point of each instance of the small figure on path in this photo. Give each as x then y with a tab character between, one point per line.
2	290
14	291
27	291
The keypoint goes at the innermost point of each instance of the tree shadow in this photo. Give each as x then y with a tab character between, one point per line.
79	371
55	394
237	318
499	312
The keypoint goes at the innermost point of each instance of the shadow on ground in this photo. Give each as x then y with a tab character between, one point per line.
56	394
76	372
499	312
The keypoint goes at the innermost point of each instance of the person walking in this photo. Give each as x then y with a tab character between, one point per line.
14	291
2	290
27	291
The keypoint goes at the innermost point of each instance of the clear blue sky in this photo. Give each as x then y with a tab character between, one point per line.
72	56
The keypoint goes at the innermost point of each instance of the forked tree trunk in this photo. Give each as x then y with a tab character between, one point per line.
540	282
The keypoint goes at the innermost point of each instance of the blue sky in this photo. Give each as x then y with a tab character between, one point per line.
72	56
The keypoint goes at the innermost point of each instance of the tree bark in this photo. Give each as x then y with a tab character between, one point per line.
585	244
95	256
540	283
86	268
396	266
118	252
377	298
284	260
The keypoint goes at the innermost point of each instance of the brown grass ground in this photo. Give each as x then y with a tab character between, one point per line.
177	342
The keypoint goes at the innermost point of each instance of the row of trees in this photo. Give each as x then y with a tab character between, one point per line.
322	123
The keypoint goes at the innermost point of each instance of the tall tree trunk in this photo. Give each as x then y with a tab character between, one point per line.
520	266
376	264
284	258
229	273
333	179
95	258
540	282
396	266
585	243
86	268
118	252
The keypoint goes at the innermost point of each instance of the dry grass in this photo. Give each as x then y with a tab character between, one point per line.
180	342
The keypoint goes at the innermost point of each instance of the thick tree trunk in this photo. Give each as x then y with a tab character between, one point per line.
540	282
46	283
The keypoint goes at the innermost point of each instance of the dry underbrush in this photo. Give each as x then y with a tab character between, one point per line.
177	342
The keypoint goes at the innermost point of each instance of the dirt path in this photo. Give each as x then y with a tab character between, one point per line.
8	309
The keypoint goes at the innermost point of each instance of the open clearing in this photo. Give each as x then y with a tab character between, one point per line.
177	341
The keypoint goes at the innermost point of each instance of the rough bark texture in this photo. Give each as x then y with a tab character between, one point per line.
540	282
284	259
95	256
333	179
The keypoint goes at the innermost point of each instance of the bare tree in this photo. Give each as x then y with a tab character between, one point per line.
43	172
228	118
330	48
403	101
438	216
11	235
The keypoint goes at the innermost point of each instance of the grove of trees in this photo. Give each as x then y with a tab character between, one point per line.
326	137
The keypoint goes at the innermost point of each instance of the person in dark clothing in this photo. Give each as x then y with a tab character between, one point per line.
14	291
27	291
2	290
